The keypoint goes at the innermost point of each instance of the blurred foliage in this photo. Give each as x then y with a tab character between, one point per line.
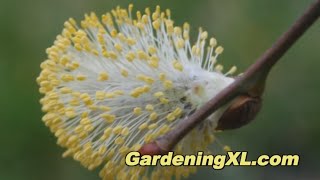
288	123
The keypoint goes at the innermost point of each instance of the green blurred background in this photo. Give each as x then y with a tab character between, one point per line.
288	123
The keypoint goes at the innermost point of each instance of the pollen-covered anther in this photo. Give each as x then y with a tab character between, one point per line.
180	43
100	95
152	126
119	141
108	117
137	110
125	131
70	113
145	78
158	94
154	63
177	31
164	100
168	84
153	116
81	77
196	50
232	70
177	112
177	65
219	50
162	76
103	76
67	77
131	41
113	55
149	107
139	91
204	35
171	117
86	99
142	55
118	47
104	108
213	42
124	72
152	50
169	24
143	126
130	56
219	68
106	133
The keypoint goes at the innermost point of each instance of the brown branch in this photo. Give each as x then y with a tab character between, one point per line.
252	81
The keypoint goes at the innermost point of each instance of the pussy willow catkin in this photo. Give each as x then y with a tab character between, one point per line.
114	83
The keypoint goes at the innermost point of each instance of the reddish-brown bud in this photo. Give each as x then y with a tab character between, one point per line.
151	149
242	111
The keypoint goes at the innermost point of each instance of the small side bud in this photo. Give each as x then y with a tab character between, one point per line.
151	148
241	112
